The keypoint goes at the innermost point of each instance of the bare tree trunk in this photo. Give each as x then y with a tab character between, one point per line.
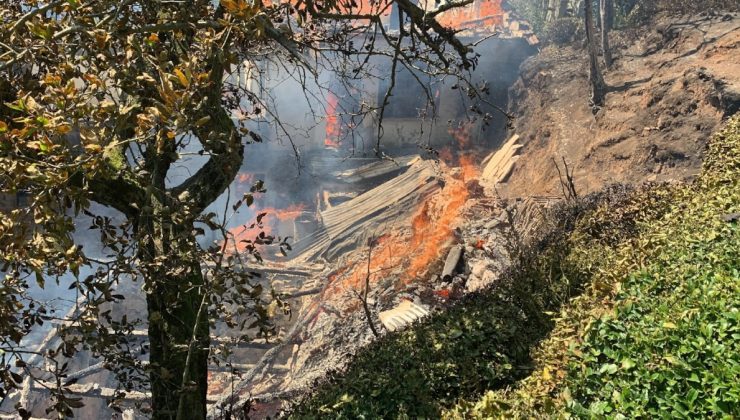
563	9
556	9
607	21
596	79
552	10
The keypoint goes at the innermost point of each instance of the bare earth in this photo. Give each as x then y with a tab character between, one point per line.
670	88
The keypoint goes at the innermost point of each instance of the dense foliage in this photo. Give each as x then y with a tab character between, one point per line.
654	331
657	330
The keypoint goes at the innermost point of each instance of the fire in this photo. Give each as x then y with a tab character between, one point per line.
269	224
482	13
462	134
382	258
333	123
431	231
245	178
468	167
433	223
288	213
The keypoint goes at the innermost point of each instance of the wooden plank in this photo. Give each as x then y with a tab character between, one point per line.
348	225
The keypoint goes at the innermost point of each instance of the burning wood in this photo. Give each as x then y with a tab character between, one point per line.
348	225
500	164
480	13
333	122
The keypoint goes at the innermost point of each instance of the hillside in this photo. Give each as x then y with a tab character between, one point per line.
657	330
672	84
627	303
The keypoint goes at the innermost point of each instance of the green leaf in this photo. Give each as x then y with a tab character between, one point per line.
609	368
40	279
628	364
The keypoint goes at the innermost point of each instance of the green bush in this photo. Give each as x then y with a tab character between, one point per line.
672	342
657	332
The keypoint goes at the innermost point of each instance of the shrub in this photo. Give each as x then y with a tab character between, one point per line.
657	332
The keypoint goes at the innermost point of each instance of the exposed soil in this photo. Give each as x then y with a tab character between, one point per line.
671	86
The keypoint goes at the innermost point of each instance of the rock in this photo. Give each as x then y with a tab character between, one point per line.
477	267
734	217
472	280
452	262
477	283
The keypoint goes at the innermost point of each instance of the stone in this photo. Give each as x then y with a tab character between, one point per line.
477	283
477	267
733	217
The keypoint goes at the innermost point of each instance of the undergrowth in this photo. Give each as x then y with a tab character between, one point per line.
635	293
656	332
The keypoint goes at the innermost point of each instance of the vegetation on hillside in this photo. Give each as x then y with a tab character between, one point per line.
657	330
652	329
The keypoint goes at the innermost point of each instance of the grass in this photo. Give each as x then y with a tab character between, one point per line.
627	307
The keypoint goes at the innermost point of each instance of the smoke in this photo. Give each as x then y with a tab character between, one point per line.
312	126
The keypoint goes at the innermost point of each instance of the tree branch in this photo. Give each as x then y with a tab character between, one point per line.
220	139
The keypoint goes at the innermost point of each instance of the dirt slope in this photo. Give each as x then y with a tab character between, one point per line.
671	86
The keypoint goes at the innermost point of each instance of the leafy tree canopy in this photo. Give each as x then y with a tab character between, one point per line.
99	99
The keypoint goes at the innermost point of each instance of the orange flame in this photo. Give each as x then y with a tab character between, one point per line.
333	124
431	231
462	133
269	223
288	213
481	13
244	177
433	224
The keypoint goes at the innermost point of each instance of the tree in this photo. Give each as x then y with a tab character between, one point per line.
606	11
556	9
100	101
595	78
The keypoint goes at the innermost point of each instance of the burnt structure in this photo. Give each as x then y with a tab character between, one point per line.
338	163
